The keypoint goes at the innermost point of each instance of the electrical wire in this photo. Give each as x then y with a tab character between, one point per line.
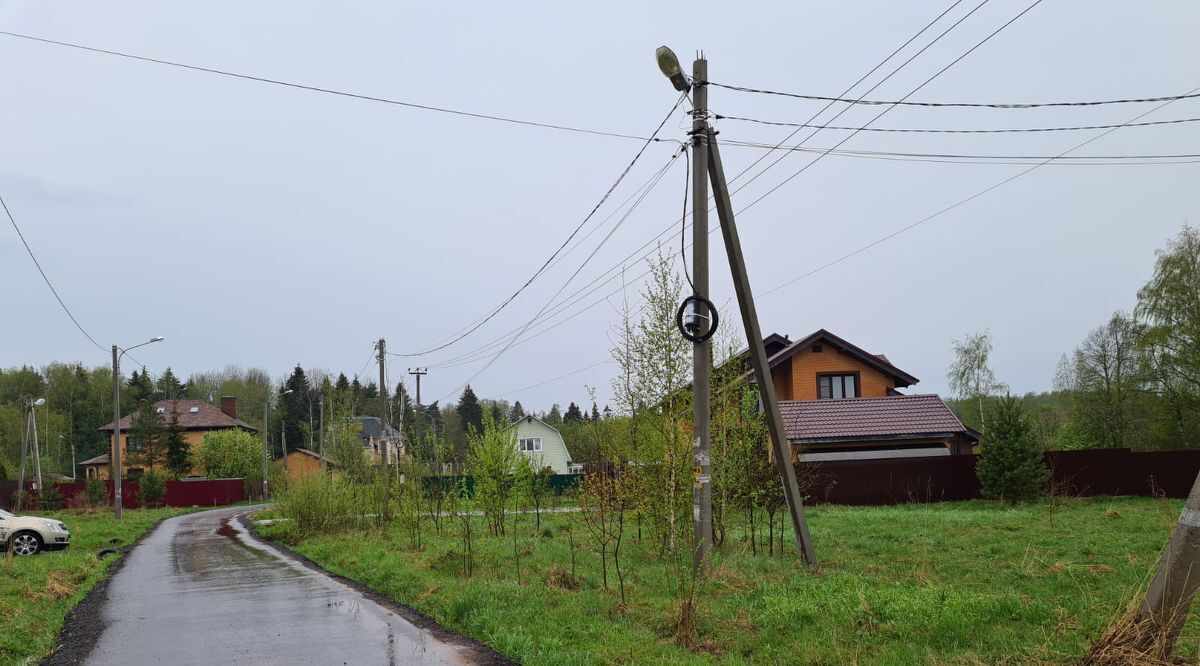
554	379
687	181
46	278
969	158
961	202
976	105
564	244
319	89
1007	130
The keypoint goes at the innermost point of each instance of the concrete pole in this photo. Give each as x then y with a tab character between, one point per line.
116	441
383	442
283	446
266	447
321	437
37	452
701	352
1170	595
24	455
418	373
758	356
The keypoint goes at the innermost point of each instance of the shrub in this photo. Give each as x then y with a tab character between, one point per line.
320	504
230	454
50	497
1010	465
152	489
95	492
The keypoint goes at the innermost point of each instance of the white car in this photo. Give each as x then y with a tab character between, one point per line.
30	535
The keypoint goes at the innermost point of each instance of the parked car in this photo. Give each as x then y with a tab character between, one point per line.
30	535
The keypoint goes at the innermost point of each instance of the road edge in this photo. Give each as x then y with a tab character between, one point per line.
84	623
481	652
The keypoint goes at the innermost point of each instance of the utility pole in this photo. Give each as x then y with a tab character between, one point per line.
418	373
24	455
701	351
266	445
321	437
706	166
383	441
115	459
283	446
37	453
758	354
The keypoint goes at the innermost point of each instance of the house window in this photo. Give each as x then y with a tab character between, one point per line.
529	444
837	386
133	444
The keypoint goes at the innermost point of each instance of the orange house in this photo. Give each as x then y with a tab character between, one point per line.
196	418
840	402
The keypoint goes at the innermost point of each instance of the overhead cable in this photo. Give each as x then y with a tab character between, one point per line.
914	130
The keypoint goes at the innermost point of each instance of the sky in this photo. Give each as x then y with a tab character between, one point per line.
261	225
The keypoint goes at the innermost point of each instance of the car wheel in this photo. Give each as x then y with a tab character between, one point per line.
26	543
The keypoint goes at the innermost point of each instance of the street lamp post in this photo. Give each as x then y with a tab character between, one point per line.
266	442
117	353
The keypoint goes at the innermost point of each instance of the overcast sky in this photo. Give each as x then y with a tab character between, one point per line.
264	226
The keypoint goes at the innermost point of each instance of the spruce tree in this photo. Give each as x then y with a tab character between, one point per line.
469	411
573	414
555	415
169	387
595	412
517	413
146	447
179	461
296	406
1010	466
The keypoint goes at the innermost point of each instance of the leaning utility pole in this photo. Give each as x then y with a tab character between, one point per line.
383	442
24	455
707	157
702	350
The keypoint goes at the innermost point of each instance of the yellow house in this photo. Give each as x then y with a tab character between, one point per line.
303	462
196	418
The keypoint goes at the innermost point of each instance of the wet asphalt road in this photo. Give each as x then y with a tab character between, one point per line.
199	589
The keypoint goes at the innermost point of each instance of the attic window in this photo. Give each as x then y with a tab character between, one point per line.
817	349
194	410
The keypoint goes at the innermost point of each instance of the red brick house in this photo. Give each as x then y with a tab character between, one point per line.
839	401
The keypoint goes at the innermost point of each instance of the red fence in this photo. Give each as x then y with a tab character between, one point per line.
207	492
946	478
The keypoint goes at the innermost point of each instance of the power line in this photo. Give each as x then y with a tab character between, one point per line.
564	244
970	158
319	89
1007	130
554	379
962	201
1000	105
47	278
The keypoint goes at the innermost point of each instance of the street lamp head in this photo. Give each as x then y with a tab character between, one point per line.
157	338
668	64
288	391
39	402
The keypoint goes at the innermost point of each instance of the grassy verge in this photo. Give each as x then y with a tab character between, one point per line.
36	593
954	583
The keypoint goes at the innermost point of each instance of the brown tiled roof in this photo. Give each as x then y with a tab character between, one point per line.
896	416
98	460
206	416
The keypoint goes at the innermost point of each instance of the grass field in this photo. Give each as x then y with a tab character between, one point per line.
37	592
954	583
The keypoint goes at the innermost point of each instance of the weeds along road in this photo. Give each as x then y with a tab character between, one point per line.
201	589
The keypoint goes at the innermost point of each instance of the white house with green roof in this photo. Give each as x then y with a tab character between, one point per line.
542	442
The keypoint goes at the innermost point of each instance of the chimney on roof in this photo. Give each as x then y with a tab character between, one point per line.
229	405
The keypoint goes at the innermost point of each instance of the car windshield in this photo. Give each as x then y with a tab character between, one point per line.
4	514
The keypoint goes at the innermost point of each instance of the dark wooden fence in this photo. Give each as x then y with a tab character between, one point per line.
946	478
206	492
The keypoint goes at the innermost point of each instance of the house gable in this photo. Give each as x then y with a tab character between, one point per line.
797	368
554	452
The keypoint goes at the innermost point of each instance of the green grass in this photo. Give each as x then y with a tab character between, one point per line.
36	593
954	583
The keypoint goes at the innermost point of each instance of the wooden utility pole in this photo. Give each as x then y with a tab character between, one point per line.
701	351
21	475
1170	595
758	352
383	442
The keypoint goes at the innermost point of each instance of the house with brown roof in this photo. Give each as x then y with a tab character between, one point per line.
196	418
839	401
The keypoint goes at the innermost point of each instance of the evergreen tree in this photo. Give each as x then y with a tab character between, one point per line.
169	387
595	412
296	407
517	413
573	414
469	411
555	415
342	385
146	446
1010	465
179	461
139	387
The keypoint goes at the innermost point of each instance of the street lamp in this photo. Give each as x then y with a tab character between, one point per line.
668	64
117	353
266	444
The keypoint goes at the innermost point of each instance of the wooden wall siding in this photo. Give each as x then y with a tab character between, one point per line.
302	464
806	364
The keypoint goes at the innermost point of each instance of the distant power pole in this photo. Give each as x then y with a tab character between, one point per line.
321	421
383	443
418	373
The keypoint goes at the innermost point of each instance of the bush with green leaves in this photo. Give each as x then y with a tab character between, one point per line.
230	454
95	491
152	488
1011	466
50	497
